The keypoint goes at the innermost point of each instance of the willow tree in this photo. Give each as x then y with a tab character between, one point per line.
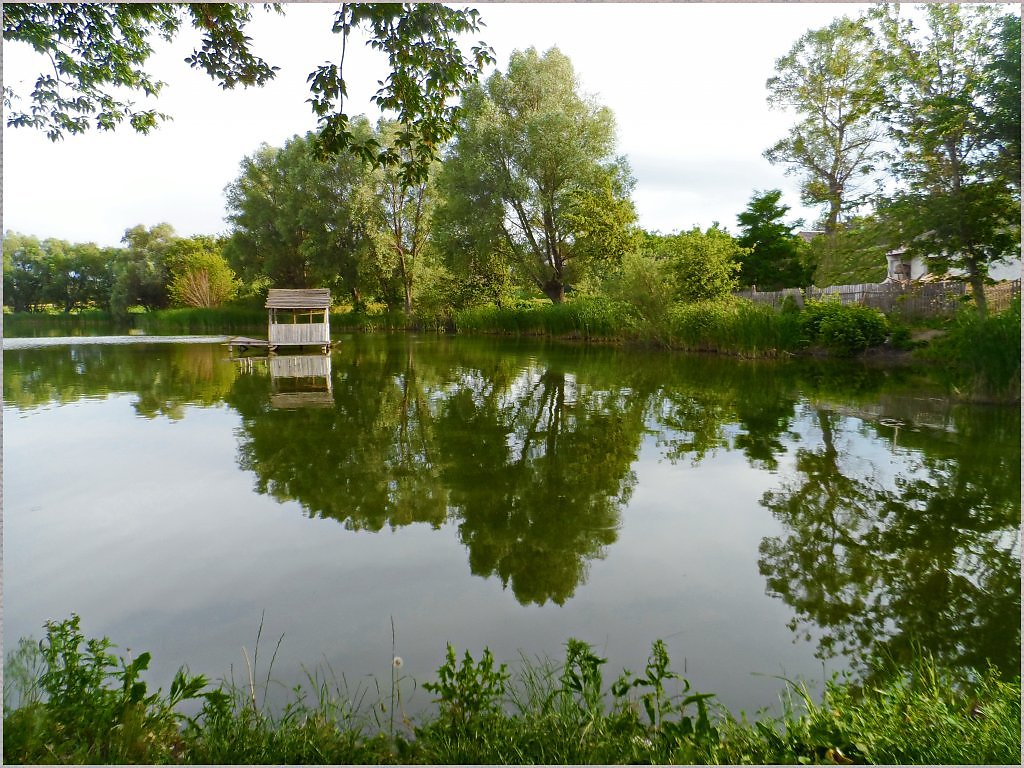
547	185
300	218
830	79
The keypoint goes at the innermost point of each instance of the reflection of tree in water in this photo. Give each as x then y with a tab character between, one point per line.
711	405
534	467
930	564
165	378
369	462
538	471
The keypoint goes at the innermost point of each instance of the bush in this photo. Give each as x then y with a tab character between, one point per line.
845	329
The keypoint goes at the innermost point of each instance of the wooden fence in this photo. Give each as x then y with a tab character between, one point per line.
916	299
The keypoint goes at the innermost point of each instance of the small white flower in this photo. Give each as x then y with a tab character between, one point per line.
397	662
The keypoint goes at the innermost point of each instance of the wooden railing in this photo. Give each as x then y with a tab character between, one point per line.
293	334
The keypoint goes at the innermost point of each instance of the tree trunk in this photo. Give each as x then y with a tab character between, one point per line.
554	289
977	283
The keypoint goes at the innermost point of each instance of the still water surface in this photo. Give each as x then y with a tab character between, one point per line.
763	518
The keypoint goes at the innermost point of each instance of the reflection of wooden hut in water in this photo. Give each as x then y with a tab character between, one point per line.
298	317
300	381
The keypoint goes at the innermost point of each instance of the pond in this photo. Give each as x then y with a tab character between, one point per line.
764	518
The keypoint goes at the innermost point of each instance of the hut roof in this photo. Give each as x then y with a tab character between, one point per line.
298	298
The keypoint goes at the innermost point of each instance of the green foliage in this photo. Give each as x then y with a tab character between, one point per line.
951	204
97	48
844	329
200	275
731	327
705	265
914	714
584	317
69	276
853	253
93	707
1001	89
646	284
302	220
831	78
468	694
532	175
141	275
981	356
918	717
428	71
777	257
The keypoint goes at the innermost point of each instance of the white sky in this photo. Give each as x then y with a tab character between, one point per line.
686	83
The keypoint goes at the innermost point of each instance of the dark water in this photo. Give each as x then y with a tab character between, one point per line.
762	518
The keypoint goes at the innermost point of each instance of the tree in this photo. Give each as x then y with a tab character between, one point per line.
97	49
141	277
301	219
951	206
547	184
25	272
56	272
778	258
1001	92
404	213
80	274
704	264
830	78
200	275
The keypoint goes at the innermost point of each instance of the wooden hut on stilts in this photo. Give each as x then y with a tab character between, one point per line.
298	317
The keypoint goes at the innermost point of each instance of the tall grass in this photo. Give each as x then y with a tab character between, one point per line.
582	317
728	326
216	320
80	703
981	356
734	326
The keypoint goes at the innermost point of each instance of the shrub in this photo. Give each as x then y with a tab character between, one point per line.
706	264
845	329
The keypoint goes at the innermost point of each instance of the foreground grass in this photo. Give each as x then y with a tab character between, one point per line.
79	703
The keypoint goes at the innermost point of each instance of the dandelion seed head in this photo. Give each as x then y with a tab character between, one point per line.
397	662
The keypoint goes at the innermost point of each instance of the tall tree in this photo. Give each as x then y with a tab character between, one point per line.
951	205
404	212
1001	92
778	257
830	79
547	181
300	219
97	52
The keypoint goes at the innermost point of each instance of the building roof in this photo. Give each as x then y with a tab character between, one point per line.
298	298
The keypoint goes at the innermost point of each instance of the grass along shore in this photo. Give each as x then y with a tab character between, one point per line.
71	699
978	358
